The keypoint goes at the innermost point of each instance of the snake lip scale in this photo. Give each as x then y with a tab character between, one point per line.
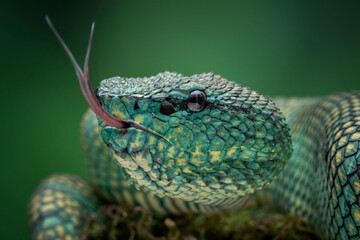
200	143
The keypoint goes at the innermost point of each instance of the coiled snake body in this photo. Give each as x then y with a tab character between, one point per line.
204	144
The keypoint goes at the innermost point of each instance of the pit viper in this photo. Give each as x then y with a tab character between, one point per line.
177	144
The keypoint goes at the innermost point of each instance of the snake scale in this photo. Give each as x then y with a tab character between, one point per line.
177	144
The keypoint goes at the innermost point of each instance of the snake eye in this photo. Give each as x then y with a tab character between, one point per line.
196	101
167	108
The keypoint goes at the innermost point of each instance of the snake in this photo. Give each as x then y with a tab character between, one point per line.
178	144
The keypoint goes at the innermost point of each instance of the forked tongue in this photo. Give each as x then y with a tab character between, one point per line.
83	76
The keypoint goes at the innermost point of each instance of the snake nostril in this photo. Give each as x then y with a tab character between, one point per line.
167	108
136	105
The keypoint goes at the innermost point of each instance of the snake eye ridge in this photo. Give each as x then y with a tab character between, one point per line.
167	108
196	101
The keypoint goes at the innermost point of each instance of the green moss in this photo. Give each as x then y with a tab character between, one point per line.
114	222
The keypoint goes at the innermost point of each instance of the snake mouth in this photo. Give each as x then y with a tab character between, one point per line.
240	153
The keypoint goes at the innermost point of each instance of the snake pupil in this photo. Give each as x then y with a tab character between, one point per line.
167	108
196	101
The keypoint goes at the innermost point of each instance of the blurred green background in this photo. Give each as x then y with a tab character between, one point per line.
303	48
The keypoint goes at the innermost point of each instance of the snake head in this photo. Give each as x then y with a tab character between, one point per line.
199	138
205	137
